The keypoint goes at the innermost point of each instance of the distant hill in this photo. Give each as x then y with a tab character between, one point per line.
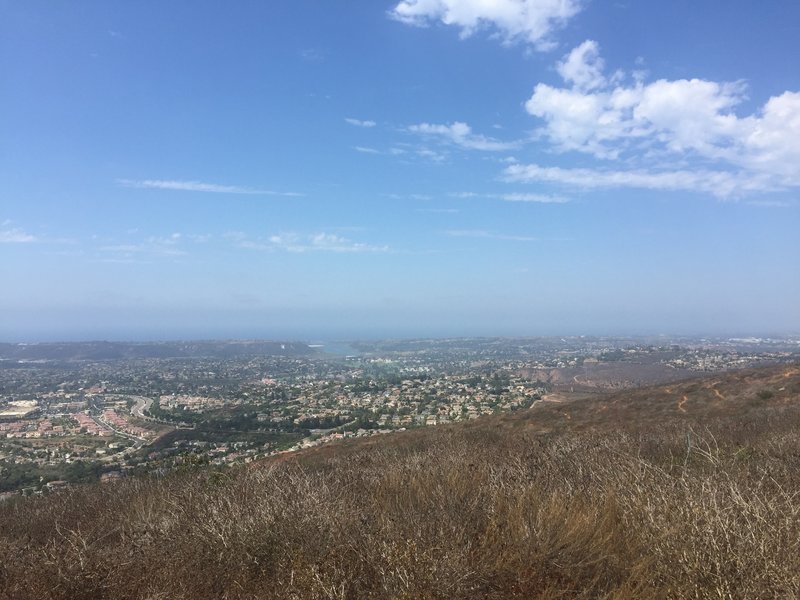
128	350
677	491
739	395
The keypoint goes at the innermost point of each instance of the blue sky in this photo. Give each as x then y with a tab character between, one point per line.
425	167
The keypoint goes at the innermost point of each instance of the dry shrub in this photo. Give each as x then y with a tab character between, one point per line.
663	512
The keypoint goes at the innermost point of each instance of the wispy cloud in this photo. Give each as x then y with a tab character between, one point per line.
16	236
313	54
299	243
771	203
490	235
448	211
414	196
10	234
460	134
723	184
431	154
359	122
235	236
394	151
513	197
199	186
170	246
540	198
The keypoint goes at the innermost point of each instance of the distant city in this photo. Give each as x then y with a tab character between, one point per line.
73	413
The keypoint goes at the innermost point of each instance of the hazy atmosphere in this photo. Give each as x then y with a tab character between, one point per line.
293	169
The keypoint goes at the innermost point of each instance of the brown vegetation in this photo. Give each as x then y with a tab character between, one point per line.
628	498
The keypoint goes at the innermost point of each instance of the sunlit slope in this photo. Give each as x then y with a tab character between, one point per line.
737	394
688	490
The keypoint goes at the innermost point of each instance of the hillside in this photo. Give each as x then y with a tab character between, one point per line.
684	490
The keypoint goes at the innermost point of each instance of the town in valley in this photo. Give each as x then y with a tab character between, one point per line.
76	413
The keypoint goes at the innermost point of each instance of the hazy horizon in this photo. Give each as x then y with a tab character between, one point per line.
414	168
312	336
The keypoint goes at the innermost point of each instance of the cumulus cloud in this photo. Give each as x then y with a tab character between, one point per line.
583	67
531	21
461	134
669	120
198	186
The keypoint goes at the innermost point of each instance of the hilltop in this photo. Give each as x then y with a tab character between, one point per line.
680	490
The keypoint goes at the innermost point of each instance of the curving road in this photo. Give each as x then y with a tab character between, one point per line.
141	405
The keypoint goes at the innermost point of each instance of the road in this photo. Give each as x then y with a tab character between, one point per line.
314	432
140	406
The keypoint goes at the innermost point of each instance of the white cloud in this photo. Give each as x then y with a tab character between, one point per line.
413	196
152	247
325	242
199	238
531	21
359	122
460	134
670	120
313	54
198	186
513	197
484	234
583	67
164	247
540	198
366	150
16	236
297	243
431	155
723	184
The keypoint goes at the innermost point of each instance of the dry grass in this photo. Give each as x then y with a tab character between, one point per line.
679	510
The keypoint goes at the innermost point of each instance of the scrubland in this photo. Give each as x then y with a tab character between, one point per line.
624	497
